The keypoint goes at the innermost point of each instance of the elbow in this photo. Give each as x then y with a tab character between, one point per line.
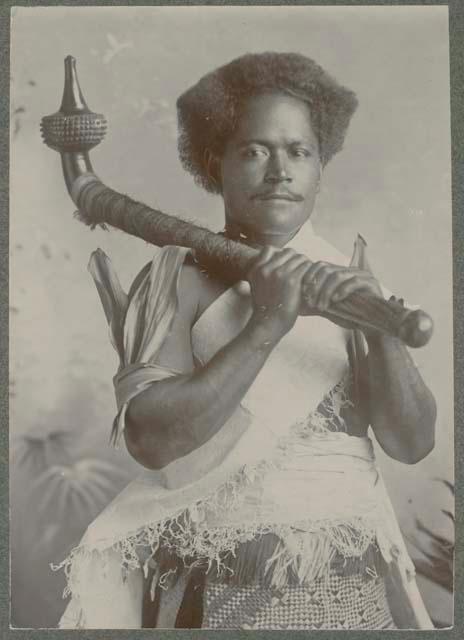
138	451
144	444
153	443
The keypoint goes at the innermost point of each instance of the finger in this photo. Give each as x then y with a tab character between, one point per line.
350	286
294	274
281	265
316	276
278	264
330	285
291	275
329	275
315	269
300	270
285	269
264	256
284	256
361	281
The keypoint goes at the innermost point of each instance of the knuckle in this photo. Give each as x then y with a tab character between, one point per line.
265	254
338	277
346	284
343	287
288	251
328	281
265	271
330	268
323	270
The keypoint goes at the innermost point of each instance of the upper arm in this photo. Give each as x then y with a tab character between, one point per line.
151	414
175	353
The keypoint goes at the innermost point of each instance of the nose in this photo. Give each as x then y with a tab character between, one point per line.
277	170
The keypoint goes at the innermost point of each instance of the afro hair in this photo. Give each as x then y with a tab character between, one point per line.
208	112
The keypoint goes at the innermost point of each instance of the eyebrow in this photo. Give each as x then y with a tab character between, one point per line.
267	143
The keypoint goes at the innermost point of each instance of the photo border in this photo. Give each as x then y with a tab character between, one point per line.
456	35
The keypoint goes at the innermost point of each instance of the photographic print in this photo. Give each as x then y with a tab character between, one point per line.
231	318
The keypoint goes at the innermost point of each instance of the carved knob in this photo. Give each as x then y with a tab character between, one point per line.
74	127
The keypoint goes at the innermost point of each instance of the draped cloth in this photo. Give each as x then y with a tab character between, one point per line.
274	466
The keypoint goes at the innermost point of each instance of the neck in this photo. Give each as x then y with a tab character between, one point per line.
254	238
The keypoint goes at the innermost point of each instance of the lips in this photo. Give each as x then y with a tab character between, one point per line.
279	196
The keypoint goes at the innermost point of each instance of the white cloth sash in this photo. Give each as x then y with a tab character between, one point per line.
305	365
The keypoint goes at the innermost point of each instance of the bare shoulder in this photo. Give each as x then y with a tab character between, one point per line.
202	286
197	289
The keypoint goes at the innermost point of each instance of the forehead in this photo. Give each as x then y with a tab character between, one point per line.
274	116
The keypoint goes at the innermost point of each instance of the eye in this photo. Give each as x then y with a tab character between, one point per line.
254	152
301	152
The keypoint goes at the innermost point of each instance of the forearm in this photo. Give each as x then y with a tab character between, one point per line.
402	408
177	415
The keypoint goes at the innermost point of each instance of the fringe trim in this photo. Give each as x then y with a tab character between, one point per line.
180	534
328	418
278	556
303	550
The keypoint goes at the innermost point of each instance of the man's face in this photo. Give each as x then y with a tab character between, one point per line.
270	169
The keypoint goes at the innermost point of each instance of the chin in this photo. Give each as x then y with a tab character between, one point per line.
274	237
282	225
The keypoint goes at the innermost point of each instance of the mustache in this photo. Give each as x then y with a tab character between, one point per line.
277	193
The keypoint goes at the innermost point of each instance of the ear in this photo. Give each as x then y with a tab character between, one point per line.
213	167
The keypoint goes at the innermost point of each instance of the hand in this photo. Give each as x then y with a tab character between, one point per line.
276	283
326	284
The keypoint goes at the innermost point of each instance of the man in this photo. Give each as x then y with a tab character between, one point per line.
232	401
